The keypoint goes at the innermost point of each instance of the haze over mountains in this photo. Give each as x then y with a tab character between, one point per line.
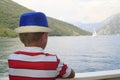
89	26
9	19
110	26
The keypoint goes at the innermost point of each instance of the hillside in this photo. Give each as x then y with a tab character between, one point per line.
9	18
62	28
111	26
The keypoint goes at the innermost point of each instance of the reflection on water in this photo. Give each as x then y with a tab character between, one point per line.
82	53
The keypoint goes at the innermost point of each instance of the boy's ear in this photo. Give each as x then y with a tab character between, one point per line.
43	36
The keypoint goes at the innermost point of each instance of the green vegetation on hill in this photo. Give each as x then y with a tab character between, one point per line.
9	19
7	32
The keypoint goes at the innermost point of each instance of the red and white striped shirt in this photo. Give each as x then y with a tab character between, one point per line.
32	63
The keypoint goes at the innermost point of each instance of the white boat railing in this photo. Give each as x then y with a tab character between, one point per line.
99	75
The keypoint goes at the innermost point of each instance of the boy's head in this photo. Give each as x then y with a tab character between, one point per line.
38	39
33	29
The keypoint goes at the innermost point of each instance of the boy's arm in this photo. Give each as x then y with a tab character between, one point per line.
72	74
64	71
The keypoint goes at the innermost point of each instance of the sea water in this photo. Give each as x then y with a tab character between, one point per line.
82	53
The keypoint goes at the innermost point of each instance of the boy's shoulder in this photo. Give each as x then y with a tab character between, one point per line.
49	54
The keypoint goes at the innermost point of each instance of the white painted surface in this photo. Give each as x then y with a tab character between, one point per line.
107	75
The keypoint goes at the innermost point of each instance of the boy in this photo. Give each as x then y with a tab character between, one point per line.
32	63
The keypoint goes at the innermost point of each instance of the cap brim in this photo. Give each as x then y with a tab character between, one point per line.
30	29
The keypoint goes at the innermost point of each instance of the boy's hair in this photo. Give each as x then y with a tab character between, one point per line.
27	38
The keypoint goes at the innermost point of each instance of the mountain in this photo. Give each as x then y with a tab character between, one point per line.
62	28
9	19
111	26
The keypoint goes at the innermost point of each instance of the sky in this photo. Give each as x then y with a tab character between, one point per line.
74	11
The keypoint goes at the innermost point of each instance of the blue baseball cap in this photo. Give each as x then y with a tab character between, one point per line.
33	22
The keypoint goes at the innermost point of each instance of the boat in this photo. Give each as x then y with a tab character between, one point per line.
94	33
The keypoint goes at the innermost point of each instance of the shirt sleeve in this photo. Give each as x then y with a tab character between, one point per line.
63	70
